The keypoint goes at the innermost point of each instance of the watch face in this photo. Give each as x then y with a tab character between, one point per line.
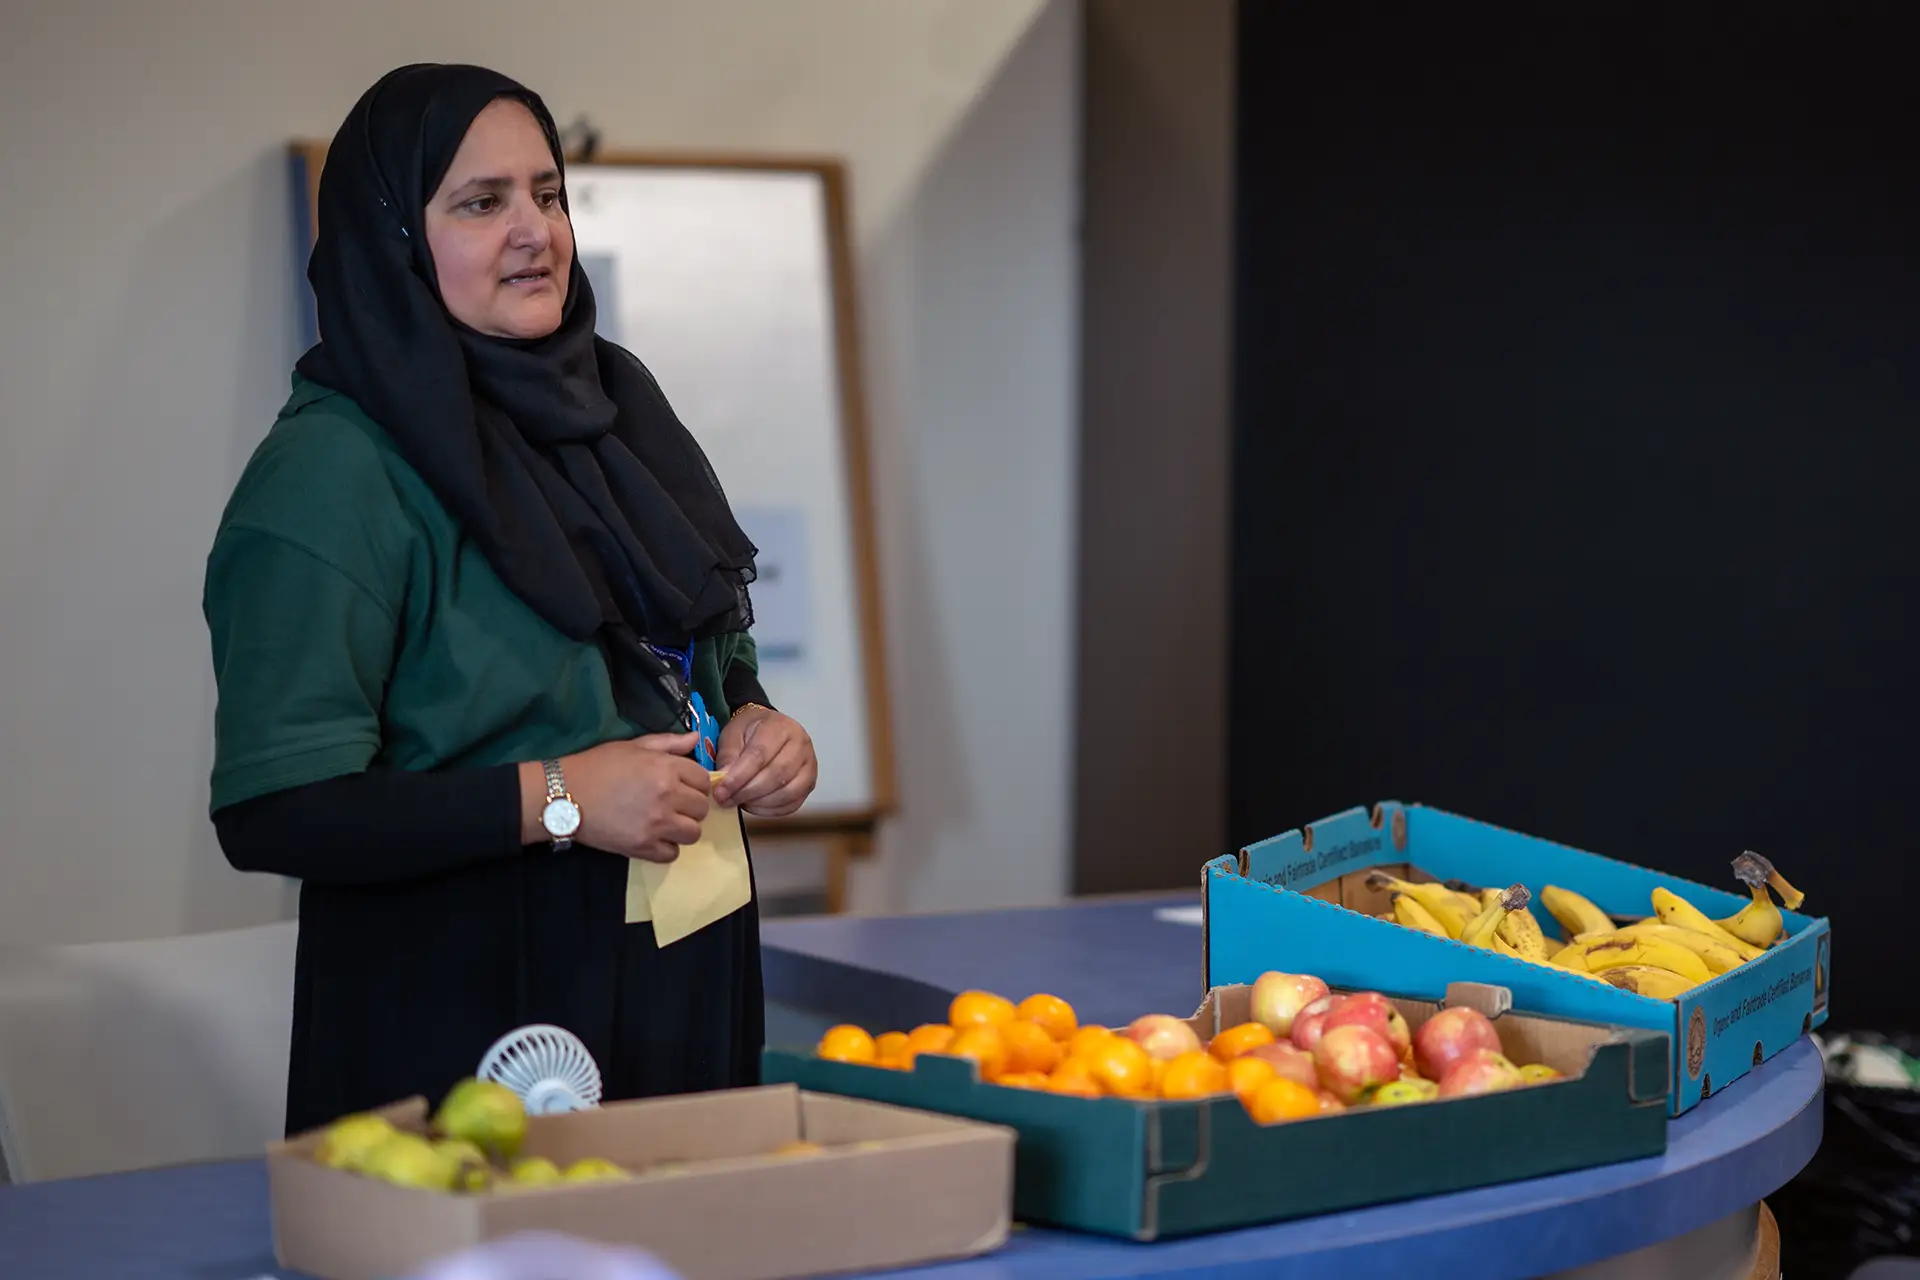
561	818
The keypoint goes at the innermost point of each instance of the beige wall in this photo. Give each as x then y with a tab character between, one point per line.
147	325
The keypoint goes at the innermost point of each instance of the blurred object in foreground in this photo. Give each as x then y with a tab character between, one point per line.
1869	1060
1859	1198
542	1255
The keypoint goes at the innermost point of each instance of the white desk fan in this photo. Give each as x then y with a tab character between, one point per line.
547	1066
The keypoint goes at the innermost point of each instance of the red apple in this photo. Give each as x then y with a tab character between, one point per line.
1278	998
1289	1063
1376	1013
1307	1023
1163	1036
1353	1060
1449	1036
1328	1103
1482	1071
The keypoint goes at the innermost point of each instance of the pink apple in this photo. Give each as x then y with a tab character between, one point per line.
1376	1013
1307	1023
1449	1036
1482	1071
1163	1036
1289	1063
1278	998
1328	1103
1353	1059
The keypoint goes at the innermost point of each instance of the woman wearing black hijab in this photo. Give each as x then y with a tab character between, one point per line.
479	617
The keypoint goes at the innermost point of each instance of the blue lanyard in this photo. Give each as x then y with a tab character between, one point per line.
681	658
695	715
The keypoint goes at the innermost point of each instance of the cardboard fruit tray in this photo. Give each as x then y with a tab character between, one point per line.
1154	1169
891	1189
1299	902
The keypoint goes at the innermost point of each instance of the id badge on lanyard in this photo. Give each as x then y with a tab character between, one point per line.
694	716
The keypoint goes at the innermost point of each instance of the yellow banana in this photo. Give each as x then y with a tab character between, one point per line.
1692	939
1435	897
1520	929
1719	957
1481	929
1465	898
1758	923
1577	915
1656	953
1473	898
1645	980
1676	910
1788	894
1574	955
1506	948
1408	911
1524	934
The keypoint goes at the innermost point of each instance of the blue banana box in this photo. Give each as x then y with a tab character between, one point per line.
1299	902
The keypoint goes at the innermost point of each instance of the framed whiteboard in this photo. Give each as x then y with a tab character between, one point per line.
732	279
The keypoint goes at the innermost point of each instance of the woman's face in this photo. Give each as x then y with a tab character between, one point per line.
501	243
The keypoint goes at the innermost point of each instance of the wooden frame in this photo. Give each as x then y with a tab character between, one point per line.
847	833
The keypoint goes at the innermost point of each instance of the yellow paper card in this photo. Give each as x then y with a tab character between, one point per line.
709	881
639	910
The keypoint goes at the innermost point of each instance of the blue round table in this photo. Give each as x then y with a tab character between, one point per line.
1113	960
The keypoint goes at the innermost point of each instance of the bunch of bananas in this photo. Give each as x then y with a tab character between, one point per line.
1662	956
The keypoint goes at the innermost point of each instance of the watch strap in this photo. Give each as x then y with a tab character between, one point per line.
556	790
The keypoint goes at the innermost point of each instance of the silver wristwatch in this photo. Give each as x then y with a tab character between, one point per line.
561	817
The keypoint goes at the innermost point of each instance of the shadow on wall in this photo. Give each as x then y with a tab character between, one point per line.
970	321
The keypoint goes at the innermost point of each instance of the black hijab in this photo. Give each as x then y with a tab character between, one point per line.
559	456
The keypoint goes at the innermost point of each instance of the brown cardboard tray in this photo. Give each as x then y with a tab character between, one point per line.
895	1187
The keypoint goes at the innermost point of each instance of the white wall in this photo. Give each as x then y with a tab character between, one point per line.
147	326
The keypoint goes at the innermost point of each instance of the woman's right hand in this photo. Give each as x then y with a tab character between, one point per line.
640	798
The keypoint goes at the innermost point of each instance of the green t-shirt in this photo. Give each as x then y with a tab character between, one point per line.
353	624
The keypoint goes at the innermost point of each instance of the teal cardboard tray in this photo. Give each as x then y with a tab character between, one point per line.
1298	902
1154	1169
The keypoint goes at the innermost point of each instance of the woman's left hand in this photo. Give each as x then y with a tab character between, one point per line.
769	762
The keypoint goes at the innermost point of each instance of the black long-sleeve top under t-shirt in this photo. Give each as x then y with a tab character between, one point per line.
386	824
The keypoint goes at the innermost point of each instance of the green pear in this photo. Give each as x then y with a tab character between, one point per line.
409	1160
486	1114
347	1140
1397	1093
471	1170
595	1169
534	1171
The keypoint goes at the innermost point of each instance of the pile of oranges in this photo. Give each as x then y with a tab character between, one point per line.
1040	1044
